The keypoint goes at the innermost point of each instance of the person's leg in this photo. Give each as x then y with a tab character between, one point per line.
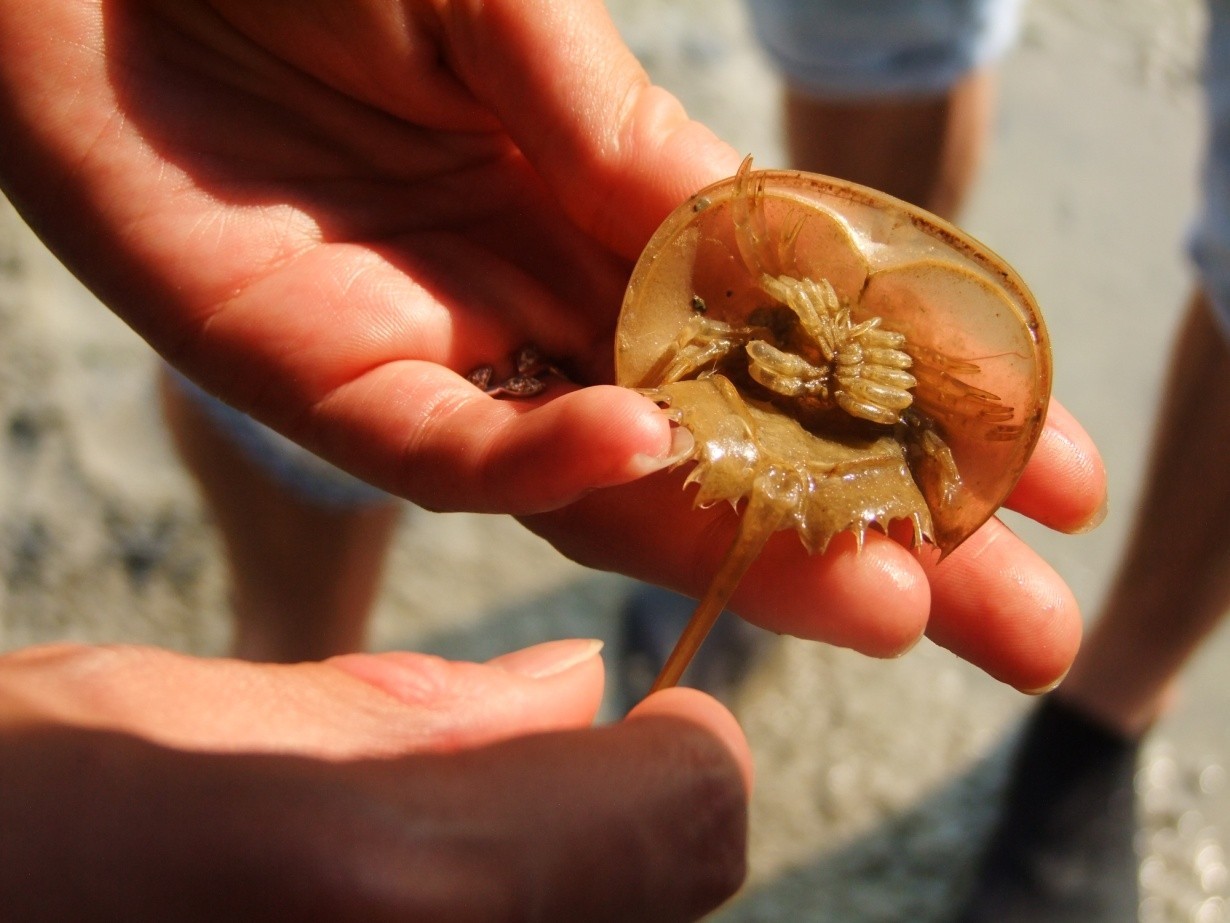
1173	584
1063	849
923	149
304	573
896	95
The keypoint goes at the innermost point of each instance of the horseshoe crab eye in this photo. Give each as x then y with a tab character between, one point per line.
881	364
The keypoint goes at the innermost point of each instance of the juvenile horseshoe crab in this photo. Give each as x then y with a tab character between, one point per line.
843	360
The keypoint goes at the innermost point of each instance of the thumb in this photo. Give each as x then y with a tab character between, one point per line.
618	152
442	705
354	706
694	707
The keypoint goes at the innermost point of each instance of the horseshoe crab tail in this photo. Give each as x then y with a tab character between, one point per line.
773	499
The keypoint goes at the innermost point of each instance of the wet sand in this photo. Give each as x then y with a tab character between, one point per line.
876	779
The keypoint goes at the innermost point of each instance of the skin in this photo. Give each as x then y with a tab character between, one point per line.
1171	588
303	576
945	135
367	787
326	215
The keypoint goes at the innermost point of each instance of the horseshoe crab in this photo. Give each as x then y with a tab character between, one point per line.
843	359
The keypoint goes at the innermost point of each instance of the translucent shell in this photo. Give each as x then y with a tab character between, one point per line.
978	345
843	359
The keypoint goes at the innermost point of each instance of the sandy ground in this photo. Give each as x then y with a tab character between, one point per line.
877	780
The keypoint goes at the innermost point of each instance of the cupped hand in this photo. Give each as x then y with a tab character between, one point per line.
144	785
328	213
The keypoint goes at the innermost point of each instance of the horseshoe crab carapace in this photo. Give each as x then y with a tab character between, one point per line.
843	360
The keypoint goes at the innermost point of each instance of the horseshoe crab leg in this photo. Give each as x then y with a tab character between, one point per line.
773	497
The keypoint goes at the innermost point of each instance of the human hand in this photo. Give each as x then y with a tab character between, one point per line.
144	785
327	213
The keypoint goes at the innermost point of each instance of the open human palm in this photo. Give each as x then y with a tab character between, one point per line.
327	213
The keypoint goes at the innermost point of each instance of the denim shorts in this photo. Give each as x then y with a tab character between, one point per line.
1210	239
294	467
847	49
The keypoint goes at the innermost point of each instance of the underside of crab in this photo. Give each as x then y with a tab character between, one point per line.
844	361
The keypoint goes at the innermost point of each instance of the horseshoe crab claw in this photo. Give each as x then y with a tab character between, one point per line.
843	359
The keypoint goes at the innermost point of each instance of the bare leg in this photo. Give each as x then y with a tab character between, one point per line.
925	150
1173	584
1063	848
304	576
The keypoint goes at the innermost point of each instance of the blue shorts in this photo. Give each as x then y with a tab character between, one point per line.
1210	240
847	49
288	463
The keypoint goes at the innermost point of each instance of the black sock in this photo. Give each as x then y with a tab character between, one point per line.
1063	850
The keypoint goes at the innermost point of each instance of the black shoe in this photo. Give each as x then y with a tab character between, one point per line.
1063	850
653	620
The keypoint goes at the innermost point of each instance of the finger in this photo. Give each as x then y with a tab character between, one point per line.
448	446
619	152
644	820
705	711
1000	606
1064	484
993	601
356	705
874	601
441	705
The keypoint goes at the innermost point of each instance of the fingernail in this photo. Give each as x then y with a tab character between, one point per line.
682	444
1095	520
1050	687
548	659
906	648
